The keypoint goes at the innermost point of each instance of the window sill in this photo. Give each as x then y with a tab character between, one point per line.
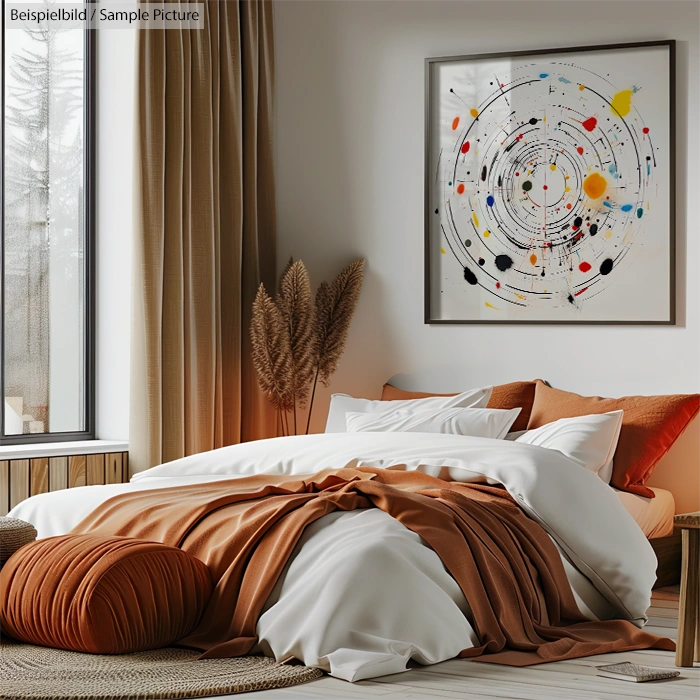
62	449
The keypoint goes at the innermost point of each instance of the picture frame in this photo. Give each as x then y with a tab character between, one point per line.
550	186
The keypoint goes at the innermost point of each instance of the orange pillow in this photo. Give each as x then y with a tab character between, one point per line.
103	595
650	425
506	396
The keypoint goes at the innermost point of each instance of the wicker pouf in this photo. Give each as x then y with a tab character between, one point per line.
14	533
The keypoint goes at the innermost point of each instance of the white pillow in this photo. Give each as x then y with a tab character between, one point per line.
342	404
590	440
475	422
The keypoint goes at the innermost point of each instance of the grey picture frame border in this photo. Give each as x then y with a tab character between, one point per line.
671	44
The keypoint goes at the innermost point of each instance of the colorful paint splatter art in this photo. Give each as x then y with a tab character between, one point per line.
549	181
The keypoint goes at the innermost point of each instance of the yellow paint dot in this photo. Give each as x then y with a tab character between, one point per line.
553	166
520	296
567	189
487	234
491	306
442	250
544	119
533	259
621	103
474	112
476	219
648	206
581	87
595	185
608	234
566	177
545	291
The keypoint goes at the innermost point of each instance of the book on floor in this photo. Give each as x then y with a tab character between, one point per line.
635	673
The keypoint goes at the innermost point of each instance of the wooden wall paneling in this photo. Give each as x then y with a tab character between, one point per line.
4	488
113	468
19	481
95	472
39	476
76	471
58	473
125	467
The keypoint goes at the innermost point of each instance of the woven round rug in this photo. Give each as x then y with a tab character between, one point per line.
30	672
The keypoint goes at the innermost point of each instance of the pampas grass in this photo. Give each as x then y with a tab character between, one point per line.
296	342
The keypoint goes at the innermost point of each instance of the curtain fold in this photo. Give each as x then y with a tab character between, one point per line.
204	231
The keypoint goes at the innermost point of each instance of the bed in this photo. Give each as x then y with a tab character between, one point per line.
340	603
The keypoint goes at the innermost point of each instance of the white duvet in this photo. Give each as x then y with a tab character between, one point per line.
362	594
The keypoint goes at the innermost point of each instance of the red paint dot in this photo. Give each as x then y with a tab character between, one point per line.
574	228
502	85
645	130
498	285
460	189
568	206
544	187
465	146
584	267
580	150
590	123
517	174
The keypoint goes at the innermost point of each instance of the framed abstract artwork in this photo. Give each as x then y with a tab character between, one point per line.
549	186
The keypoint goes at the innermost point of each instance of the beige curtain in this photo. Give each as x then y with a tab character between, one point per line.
205	231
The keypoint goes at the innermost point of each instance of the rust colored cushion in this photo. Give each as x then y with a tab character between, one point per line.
512	395
104	595
650	425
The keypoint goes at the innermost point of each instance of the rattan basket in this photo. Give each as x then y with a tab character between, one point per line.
14	533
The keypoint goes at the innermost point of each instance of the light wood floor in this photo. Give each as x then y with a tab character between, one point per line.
564	680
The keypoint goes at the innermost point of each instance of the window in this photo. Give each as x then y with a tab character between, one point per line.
46	294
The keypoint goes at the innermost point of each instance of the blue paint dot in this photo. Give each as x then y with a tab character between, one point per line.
608	205
449	184
627	207
490	200
564	80
543	75
612	169
640	211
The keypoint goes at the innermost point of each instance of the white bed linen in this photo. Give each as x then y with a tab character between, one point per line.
367	616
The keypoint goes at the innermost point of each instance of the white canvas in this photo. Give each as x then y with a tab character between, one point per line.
549	187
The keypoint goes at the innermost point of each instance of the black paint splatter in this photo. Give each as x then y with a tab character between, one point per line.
594	229
481	261
503	262
483	173
578	221
534	121
571	299
470	276
527	185
606	266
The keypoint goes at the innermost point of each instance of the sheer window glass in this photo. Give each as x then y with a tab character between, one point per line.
46	287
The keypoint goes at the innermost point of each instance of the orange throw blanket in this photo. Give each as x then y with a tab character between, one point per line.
244	530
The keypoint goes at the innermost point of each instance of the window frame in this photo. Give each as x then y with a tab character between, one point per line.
89	170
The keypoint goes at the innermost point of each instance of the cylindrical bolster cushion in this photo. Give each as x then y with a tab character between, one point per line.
105	595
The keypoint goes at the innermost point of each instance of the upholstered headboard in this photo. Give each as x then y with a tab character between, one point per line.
679	470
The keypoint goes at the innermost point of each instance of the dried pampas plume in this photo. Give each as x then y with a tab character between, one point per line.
335	306
294	303
271	353
295	340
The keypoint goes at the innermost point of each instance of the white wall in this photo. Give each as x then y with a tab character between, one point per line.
350	184
114	158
